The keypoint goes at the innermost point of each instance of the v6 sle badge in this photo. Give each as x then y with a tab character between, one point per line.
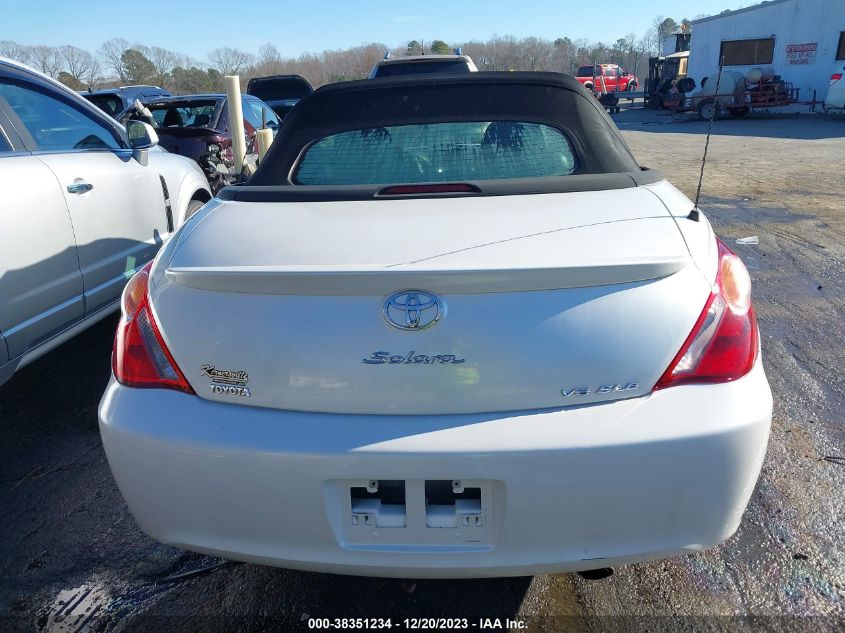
612	388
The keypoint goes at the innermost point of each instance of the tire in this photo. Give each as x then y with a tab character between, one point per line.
706	109
193	207
739	112
687	84
632	86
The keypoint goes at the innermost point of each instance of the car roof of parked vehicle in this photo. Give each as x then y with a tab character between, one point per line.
423	58
198	97
550	99
104	91
188	98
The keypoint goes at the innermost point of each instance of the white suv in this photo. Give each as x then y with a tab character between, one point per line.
85	207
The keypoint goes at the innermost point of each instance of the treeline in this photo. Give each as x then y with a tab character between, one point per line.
118	62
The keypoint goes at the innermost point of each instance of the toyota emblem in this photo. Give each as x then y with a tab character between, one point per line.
413	310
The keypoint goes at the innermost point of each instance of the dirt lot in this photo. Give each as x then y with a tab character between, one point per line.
74	560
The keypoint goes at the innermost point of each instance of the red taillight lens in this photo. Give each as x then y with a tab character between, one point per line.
140	357
723	343
835	77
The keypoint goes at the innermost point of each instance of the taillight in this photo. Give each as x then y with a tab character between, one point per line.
835	77
140	358
723	343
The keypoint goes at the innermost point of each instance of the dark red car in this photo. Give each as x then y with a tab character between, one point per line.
197	126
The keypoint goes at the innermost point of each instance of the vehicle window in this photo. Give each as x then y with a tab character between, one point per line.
110	104
419	68
840	49
271	117
4	144
437	152
252	112
586	71
256	112
54	124
198	113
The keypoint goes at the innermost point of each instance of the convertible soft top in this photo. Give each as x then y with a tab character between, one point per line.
548	98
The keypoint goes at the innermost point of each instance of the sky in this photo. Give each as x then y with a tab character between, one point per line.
194	28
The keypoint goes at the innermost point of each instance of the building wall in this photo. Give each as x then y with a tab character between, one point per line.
791	22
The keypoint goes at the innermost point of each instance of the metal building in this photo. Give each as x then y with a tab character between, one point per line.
800	39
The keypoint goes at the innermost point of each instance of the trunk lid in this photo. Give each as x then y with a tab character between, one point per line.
545	300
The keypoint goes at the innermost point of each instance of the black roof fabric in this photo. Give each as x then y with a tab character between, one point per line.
548	98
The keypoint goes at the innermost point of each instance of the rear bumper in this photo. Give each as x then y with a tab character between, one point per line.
563	490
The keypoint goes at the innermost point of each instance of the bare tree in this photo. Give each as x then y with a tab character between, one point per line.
15	51
79	64
269	61
229	61
163	60
111	52
46	59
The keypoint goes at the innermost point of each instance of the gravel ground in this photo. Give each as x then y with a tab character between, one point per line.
74	560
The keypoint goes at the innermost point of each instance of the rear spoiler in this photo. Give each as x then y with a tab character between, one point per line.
350	280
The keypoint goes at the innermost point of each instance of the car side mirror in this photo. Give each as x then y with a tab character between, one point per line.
624	73
141	137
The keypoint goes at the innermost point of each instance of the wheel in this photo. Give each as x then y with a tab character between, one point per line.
655	102
631	86
708	109
739	112
687	84
193	207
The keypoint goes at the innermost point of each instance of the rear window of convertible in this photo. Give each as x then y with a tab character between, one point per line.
437	152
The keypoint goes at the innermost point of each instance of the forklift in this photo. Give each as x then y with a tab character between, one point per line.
667	81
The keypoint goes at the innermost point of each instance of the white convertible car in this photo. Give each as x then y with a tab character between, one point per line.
450	328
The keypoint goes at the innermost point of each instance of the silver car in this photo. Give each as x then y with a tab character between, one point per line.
82	208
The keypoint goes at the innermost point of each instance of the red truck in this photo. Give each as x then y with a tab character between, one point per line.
615	78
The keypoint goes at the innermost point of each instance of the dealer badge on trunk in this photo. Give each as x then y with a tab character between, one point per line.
227	382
